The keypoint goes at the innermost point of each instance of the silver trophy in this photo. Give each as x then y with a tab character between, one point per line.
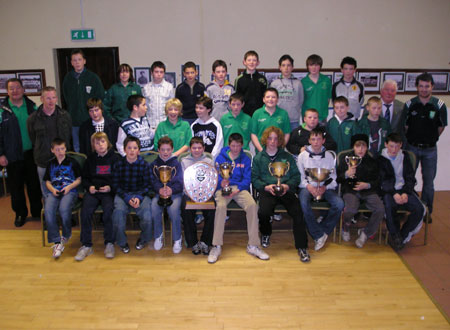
320	175
200	182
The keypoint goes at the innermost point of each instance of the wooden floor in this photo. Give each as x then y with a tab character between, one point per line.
342	288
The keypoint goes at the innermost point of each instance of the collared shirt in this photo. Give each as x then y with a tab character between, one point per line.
156	96
180	133
131	179
22	115
262	119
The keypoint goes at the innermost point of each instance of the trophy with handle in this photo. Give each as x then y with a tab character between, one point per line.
165	174
320	175
352	161
278	170
226	170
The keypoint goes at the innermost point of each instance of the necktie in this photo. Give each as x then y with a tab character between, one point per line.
387	114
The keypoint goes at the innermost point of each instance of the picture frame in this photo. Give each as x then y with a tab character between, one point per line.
370	80
4	77
398	77
33	80
171	77
271	76
410	81
337	75
300	75
142	75
441	81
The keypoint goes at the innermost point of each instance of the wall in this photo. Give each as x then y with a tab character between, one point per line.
379	34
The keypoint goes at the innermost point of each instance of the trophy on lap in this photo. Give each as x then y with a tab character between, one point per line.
352	161
165	175
278	170
320	175
226	170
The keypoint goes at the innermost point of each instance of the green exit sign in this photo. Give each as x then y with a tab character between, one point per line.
82	35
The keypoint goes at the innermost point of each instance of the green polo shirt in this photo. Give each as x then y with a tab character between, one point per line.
22	115
180	133
262	119
240	124
317	95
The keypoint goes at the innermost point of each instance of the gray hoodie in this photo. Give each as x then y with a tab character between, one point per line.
290	96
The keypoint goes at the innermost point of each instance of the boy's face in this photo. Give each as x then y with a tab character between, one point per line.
158	75
424	88
78	62
251	63
270	99
311	119
132	150
235	148
348	72
100	146
286	68
272	141
220	73
316	142
340	109
49	100
197	149
165	151
360	149
140	109
59	151
96	114
172	113
190	74
201	111
124	76
374	109
236	107
393	148
314	69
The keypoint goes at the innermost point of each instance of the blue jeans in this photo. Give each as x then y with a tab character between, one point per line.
174	212
428	160
327	225
119	218
76	138
64	206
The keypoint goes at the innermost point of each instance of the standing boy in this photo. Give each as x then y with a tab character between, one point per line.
342	126
251	83
220	89
236	121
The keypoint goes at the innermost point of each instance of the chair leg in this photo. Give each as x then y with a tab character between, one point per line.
380	232
43	227
427	219
340	228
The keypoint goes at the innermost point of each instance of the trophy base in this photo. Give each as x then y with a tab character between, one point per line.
226	191
352	182
278	191
164	202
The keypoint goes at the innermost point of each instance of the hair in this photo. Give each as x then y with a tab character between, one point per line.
188	65
93	102
17	80
394	137
174	102
340	99
134	100
374	99
348	60
389	82
48	89
158	64
271	89
124	67
57	142
359	142
317	131
165	140
425	77
77	51
196	139
129	139
284	58
99	136
251	53
311	110
237	97
205	101
314	59
277	131
236	137
219	63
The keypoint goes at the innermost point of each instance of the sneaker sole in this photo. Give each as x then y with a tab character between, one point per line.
254	255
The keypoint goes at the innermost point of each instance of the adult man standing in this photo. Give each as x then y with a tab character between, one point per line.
426	118
16	152
44	125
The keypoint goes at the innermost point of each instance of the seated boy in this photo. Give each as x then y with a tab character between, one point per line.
62	176
131	182
97	180
219	90
374	126
173	190
299	137
137	125
236	121
197	154
342	126
397	186
366	188
240	184
97	123
316	156
207	127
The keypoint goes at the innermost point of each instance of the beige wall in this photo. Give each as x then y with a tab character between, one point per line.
379	34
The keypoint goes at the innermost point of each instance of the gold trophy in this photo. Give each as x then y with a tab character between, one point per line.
165	174
278	170
319	175
226	170
352	161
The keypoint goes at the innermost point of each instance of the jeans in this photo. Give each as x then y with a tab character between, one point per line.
119	218
327	225
428	161
76	138
174	212
64	205
44	190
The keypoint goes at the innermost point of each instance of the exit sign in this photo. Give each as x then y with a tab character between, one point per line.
82	35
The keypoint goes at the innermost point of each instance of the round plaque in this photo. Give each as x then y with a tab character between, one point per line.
200	182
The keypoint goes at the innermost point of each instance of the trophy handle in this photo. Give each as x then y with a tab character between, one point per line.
288	166
155	168
334	156
270	171
174	170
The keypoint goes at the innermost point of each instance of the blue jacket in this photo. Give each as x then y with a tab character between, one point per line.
242	172
175	183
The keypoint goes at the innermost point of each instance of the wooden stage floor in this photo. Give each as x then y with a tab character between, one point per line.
342	288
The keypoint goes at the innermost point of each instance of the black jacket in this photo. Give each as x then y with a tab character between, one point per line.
252	86
300	137
97	171
387	176
87	129
188	98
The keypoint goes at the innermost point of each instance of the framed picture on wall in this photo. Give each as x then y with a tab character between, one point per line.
440	81
3	79
398	77
337	76
410	81
142	75
32	82
370	80
300	75
171	77
271	76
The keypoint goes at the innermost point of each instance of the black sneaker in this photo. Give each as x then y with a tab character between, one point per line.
395	241
125	249
196	249
304	255
265	241
204	248
20	221
139	244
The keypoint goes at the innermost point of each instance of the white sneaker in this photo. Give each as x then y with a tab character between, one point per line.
159	242
320	242
257	252
177	246
58	250
277	217
83	252
110	252
362	239
345	236
214	254
319	219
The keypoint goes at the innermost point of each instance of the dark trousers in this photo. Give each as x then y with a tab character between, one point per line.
190	227
267	203
90	204
20	173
